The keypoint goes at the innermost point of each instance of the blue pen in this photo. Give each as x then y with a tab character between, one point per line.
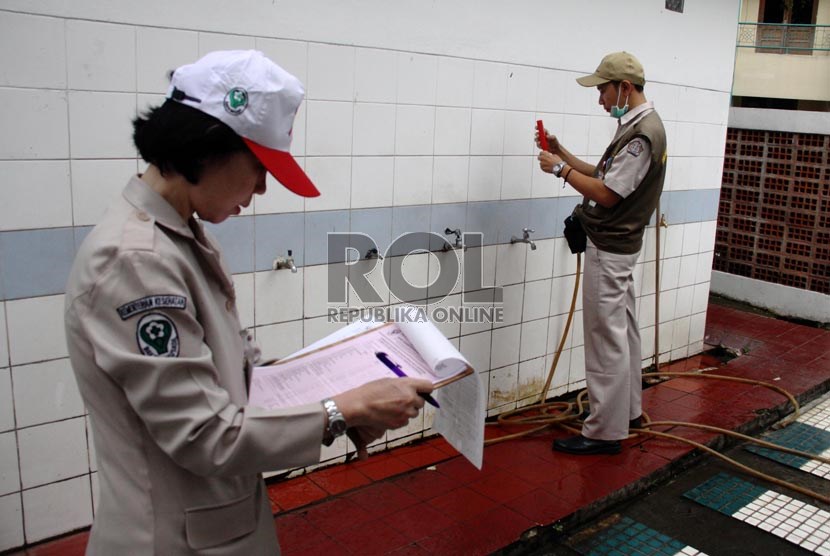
398	371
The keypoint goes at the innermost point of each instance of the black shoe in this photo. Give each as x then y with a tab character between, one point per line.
636	423
581	446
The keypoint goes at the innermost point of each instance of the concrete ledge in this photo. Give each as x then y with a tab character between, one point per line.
768	119
782	300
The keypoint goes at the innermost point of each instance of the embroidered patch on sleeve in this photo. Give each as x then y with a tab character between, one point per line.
157	336
151	302
635	147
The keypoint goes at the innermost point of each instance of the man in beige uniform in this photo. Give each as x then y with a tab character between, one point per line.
619	197
155	340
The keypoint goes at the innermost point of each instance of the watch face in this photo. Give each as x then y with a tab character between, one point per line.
337	426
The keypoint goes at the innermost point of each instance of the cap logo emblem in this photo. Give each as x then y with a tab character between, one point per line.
236	101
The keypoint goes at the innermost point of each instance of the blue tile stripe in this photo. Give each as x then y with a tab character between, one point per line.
628	537
37	262
725	493
797	436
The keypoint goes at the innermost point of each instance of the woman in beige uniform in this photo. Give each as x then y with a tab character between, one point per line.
154	335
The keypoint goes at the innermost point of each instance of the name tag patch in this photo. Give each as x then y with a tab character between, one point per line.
157	336
151	302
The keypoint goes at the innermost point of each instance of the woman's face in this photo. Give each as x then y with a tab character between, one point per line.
227	186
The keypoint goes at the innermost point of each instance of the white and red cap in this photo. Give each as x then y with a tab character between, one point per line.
254	97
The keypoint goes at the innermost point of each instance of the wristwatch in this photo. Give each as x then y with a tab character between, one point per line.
336	422
557	168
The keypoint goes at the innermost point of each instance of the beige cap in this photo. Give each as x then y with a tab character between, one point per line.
617	66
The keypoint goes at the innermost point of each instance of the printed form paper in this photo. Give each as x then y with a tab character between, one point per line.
346	359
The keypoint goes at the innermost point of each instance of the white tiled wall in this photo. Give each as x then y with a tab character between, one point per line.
391	119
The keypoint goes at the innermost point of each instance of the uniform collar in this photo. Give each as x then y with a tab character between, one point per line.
636	113
140	195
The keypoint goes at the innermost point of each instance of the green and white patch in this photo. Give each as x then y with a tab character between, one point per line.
157	336
236	101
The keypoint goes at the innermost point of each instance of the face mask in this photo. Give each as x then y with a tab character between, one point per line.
616	111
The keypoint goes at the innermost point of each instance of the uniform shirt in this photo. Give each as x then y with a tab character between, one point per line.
632	162
154	340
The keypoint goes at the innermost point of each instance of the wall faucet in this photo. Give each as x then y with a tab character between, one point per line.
285	262
457	244
525	238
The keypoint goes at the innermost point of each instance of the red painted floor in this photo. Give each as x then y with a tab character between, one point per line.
425	499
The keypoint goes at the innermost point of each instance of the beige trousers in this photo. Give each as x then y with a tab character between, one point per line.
612	344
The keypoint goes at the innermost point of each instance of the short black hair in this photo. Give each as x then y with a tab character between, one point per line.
638	88
177	138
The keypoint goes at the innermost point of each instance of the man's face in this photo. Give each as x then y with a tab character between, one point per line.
608	94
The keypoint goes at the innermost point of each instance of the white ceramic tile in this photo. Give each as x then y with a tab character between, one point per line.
700	299
413	270
510	264
540	262
40	445
697	328
38	118
579	99
25	184
551	90
279	340
668	301
601	131
208	42
691	238
6	401
4	344
95	185
455	81
9	467
574	135
329	128
277	198
518	134
669	274
450	263
315	279
90	445
100	56
375	75
487	132
505	349
413	180
704	267
576	371
688	270
561	374
372	181
159	51
490	88
96	489
536	299
534	339
647	343
449	179
279	296
100	124
671	242
244	287
417	76
57	508
45	392
292	56
300	131
516	177
666	333
648	279
32	51
485	178
503	387
683	305
512	304
680	333
564	262
645	310
561	294
452	130
331	72
522	87
449	327
476	349
374	129
11	522
532	376
319	327
414	130
36	329
332	176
